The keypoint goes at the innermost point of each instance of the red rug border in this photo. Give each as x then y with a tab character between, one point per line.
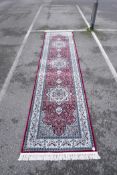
32	98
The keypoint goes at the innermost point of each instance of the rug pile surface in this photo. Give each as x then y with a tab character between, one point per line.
59	125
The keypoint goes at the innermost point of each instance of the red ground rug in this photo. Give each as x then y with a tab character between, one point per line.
59	125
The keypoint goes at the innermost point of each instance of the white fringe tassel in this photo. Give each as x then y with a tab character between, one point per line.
59	156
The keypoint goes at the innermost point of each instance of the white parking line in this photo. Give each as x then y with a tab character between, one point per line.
107	30
74	30
70	30
81	13
10	74
112	69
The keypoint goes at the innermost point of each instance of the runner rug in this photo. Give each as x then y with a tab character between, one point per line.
59	125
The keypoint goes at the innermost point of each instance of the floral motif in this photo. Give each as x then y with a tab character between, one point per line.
59	110
58	63
58	44
59	81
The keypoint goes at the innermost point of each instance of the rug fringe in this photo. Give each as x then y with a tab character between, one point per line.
59	156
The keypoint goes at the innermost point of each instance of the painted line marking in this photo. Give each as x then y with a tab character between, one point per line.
112	69
82	15
54	5
10	74
107	30
72	30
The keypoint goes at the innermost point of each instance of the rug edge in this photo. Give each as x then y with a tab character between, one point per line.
85	94
59	156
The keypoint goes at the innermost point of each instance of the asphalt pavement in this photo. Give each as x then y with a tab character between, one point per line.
101	88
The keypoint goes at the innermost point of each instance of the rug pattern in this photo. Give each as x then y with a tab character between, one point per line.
59	119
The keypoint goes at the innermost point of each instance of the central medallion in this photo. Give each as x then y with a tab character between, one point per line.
59	94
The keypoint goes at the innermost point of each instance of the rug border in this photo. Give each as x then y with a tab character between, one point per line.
85	95
32	98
